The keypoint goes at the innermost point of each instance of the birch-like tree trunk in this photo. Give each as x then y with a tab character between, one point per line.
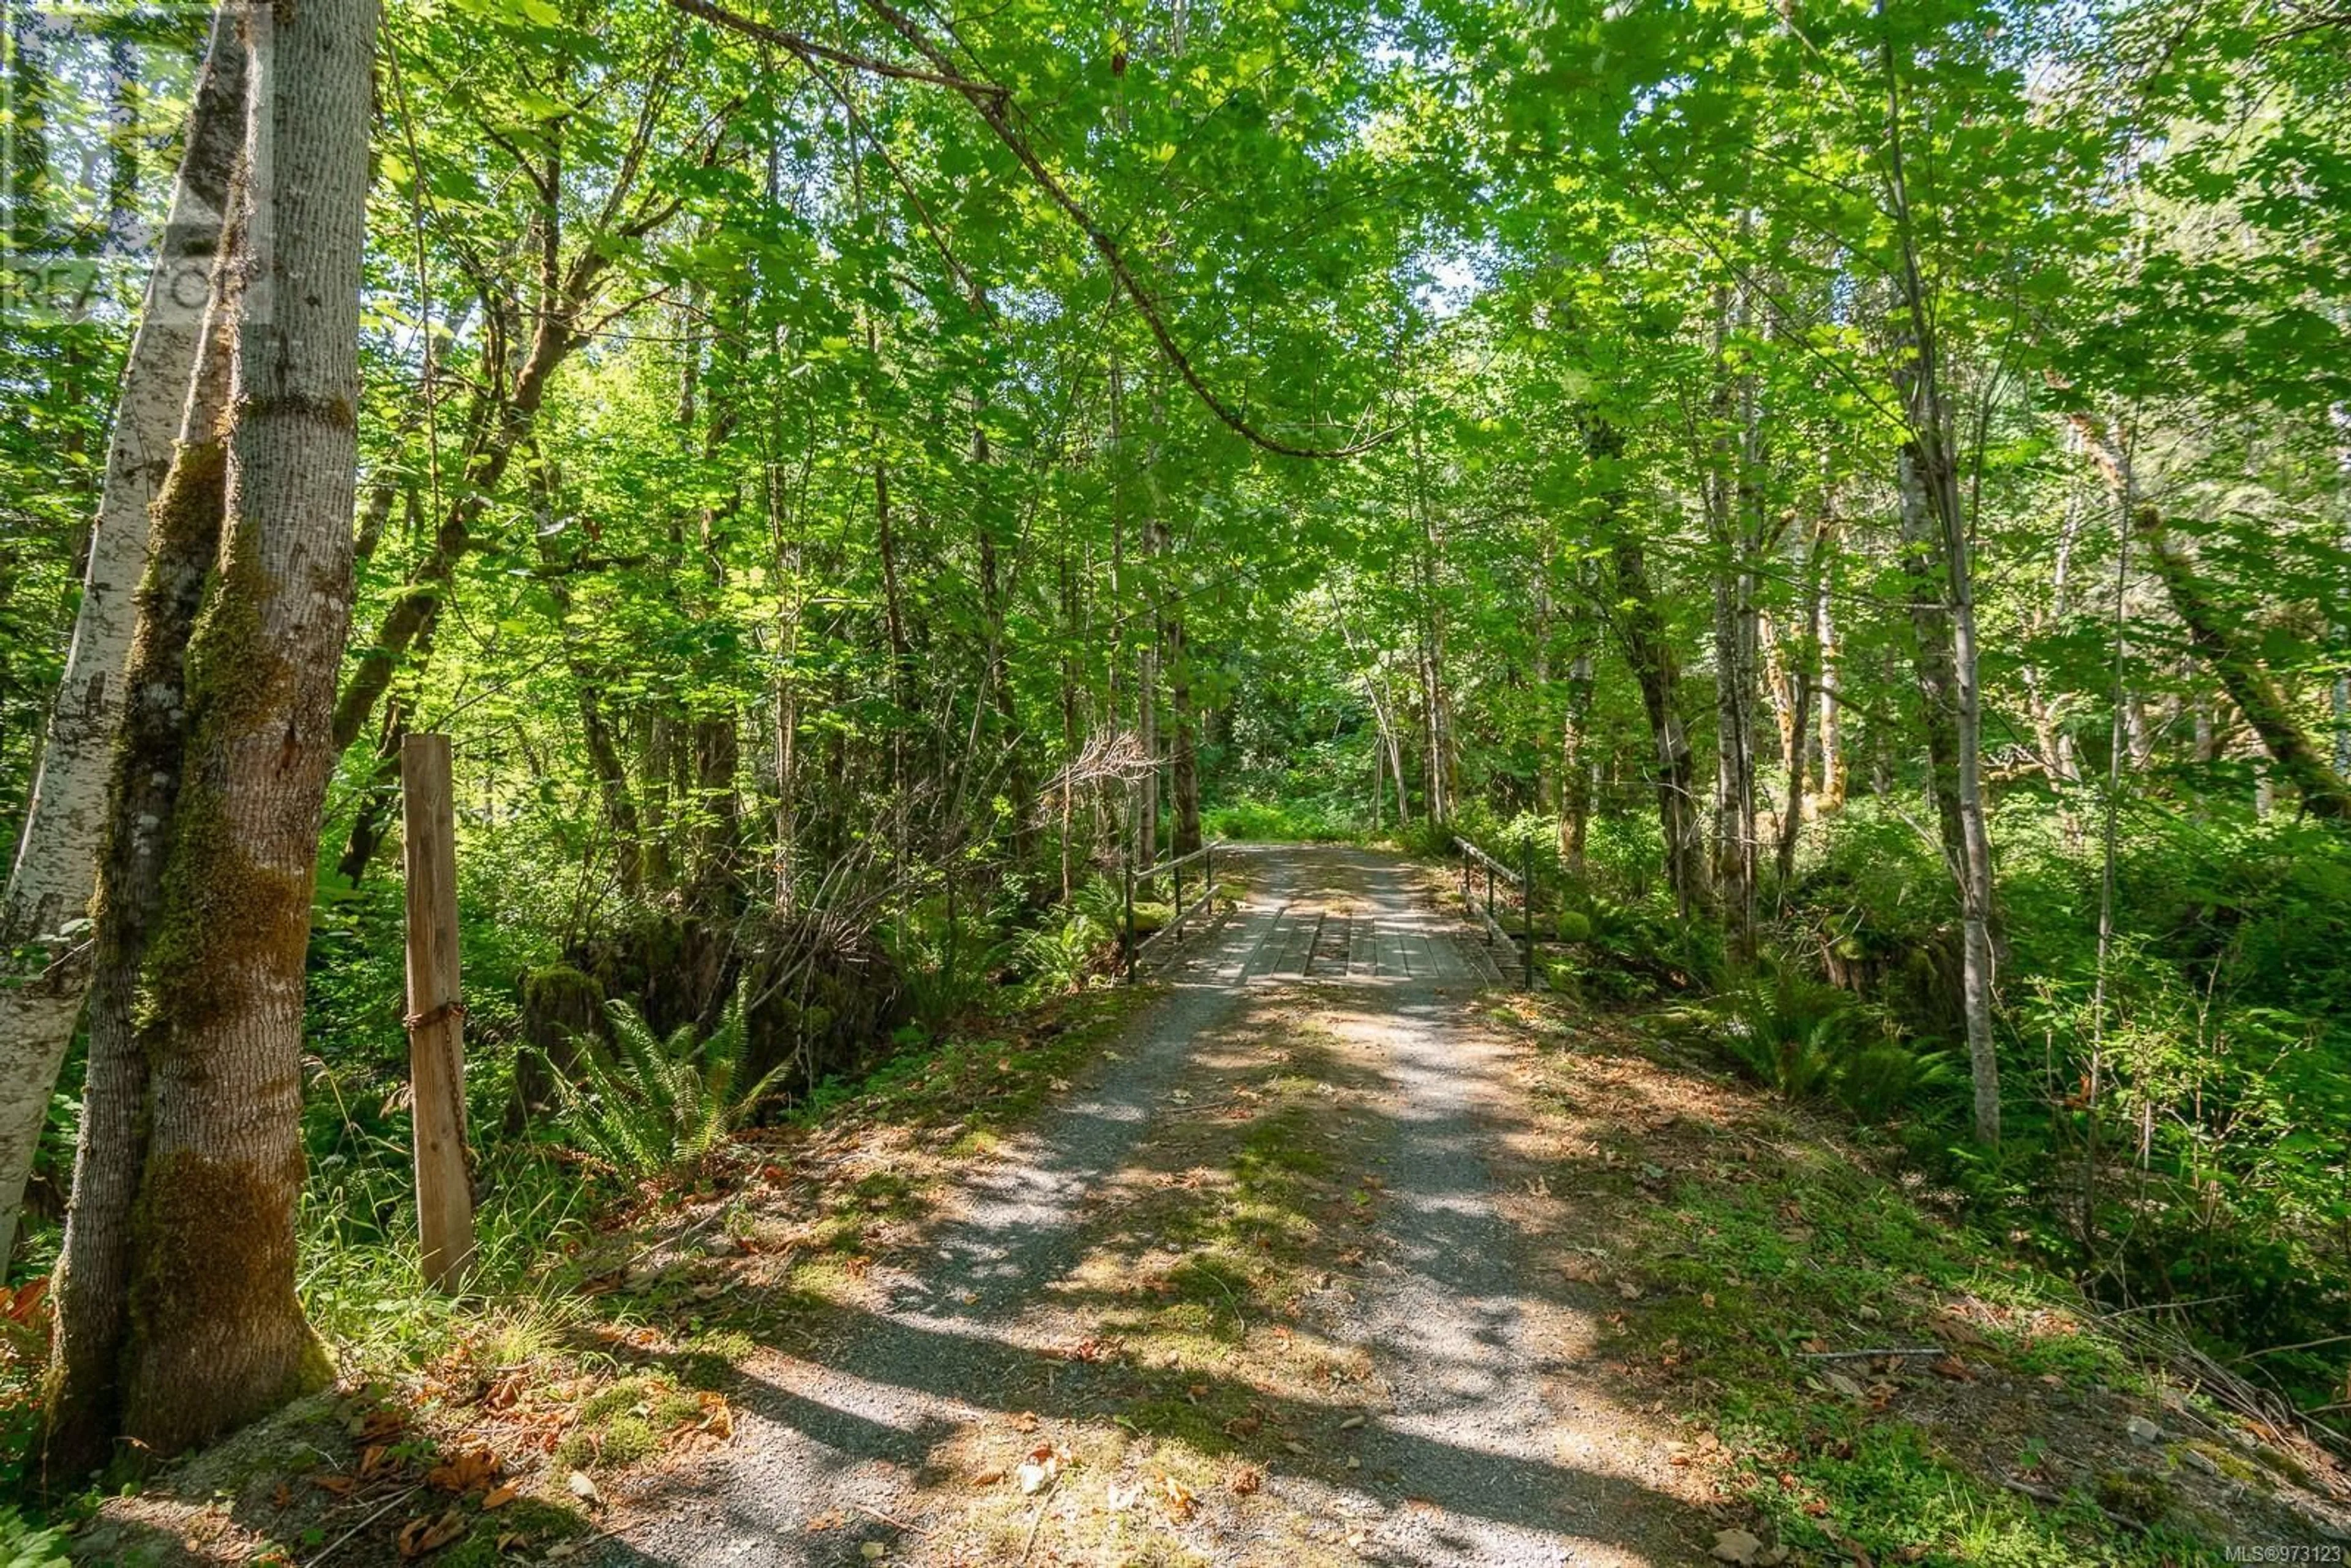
1803	676
1733	503
56	866
1575	763
1929	469
2339	690
1830	798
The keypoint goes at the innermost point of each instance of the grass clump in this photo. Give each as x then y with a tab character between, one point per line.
626	1421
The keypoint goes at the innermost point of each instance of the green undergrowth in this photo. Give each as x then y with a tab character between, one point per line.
987	1081
1774	1277
2172	1100
1746	1251
1254	821
22	1545
594	1363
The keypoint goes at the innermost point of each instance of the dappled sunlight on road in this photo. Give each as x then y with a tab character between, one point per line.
1257	1264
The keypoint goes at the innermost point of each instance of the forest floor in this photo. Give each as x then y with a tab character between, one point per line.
1331	1251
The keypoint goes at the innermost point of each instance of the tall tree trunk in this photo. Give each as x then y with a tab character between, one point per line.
210	1331
2339	690
1575	763
1929	467
716	880
1803	676
1184	762
55	865
1945	664
1387	747
1072	625
2050	737
1641	630
1146	661
786	699
1933	659
1792	819
1733	497
1830	799
93	1278
605	758
1546	780
717	884
1146	735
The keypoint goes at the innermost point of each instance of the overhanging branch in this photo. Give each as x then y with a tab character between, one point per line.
994	106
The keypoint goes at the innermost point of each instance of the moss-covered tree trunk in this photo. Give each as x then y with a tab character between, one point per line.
208	1331
1640	633
56	866
562	1014
1830	798
2290	748
1641	630
1575	762
93	1275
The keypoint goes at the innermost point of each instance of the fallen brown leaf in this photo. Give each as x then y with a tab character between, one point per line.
468	1471
425	1534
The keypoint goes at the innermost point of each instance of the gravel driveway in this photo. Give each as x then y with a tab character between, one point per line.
1491	1436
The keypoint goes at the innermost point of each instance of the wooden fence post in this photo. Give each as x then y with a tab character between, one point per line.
1527	891
1129	885
437	1012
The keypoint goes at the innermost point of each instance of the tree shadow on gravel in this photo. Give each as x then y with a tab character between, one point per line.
882	1398
967	1376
